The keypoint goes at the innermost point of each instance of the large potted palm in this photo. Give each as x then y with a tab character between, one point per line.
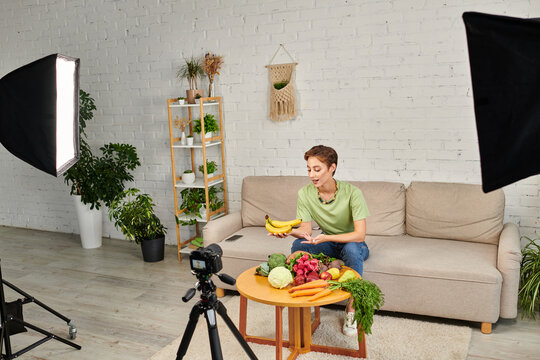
133	214
96	181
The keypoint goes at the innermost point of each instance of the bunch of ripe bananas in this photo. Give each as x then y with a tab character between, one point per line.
280	227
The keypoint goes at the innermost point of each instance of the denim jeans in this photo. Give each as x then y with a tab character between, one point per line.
353	253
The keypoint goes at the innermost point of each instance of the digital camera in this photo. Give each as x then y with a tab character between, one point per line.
206	260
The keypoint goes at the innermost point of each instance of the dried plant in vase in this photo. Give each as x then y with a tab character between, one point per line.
211	65
181	124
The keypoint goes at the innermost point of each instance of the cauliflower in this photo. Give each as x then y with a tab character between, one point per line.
279	277
276	260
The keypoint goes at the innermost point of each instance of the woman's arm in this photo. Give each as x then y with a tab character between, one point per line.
358	235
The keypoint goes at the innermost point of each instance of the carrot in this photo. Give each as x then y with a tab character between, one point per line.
319	295
306	292
310	285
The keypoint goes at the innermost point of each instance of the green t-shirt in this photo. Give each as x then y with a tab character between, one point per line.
337	217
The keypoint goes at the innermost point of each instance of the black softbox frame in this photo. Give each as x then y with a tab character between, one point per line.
504	55
28	114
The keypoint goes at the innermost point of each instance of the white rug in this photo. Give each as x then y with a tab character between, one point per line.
392	338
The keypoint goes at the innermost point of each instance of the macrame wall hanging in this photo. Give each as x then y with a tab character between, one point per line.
282	96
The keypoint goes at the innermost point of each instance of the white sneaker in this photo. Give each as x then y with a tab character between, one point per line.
349	326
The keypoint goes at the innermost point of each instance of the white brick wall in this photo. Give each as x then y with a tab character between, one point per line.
386	83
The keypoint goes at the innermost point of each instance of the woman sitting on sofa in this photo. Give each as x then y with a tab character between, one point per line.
340	211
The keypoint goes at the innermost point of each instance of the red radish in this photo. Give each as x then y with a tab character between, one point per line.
299	280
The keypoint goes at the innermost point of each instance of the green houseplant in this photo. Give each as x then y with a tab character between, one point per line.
211	167
529	291
193	200
210	124
191	70
133	214
95	180
99	179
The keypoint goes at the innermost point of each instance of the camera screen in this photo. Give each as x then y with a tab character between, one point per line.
198	264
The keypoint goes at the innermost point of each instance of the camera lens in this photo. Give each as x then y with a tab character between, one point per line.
215	248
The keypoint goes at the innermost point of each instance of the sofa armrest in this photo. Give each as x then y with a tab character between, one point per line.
217	230
508	263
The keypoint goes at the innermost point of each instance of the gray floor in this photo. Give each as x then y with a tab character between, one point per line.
127	309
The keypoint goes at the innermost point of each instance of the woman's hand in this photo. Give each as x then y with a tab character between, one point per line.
314	240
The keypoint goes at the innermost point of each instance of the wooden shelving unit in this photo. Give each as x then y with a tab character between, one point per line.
206	105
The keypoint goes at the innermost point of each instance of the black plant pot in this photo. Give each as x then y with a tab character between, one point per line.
153	250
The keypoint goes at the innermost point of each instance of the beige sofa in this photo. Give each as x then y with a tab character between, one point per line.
437	249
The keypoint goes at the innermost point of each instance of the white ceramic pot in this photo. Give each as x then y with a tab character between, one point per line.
211	175
208	135
189	141
90	224
188	178
181	102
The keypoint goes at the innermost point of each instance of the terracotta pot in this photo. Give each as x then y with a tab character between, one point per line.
190	94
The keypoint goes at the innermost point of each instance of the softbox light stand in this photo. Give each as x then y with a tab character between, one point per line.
39	124
12	322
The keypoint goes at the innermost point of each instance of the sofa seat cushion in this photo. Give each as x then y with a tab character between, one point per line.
433	258
255	244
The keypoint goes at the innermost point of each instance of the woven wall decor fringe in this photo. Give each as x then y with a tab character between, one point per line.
282	101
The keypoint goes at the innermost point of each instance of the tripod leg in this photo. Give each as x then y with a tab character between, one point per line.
188	332
213	335
222	311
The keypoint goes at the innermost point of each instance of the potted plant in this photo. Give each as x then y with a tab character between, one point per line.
95	180
529	292
194	203
211	65
188	177
189	140
181	101
190	71
211	167
210	125
133	214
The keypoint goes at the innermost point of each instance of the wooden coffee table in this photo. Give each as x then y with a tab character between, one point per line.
301	328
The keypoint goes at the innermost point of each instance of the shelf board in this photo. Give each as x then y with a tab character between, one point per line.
198	184
200	220
197	145
206	103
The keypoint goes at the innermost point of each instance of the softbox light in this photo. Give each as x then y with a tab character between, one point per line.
504	55
39	113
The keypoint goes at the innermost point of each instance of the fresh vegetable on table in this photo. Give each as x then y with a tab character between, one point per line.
306	292
311	285
276	260
319	295
367	297
279	277
262	269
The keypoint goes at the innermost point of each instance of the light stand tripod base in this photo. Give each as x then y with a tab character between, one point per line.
7	319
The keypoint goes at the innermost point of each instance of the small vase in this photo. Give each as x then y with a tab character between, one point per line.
211	90
183	139
188	178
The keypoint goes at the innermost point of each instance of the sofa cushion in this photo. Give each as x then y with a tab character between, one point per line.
445	278
454	211
386	204
272	195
